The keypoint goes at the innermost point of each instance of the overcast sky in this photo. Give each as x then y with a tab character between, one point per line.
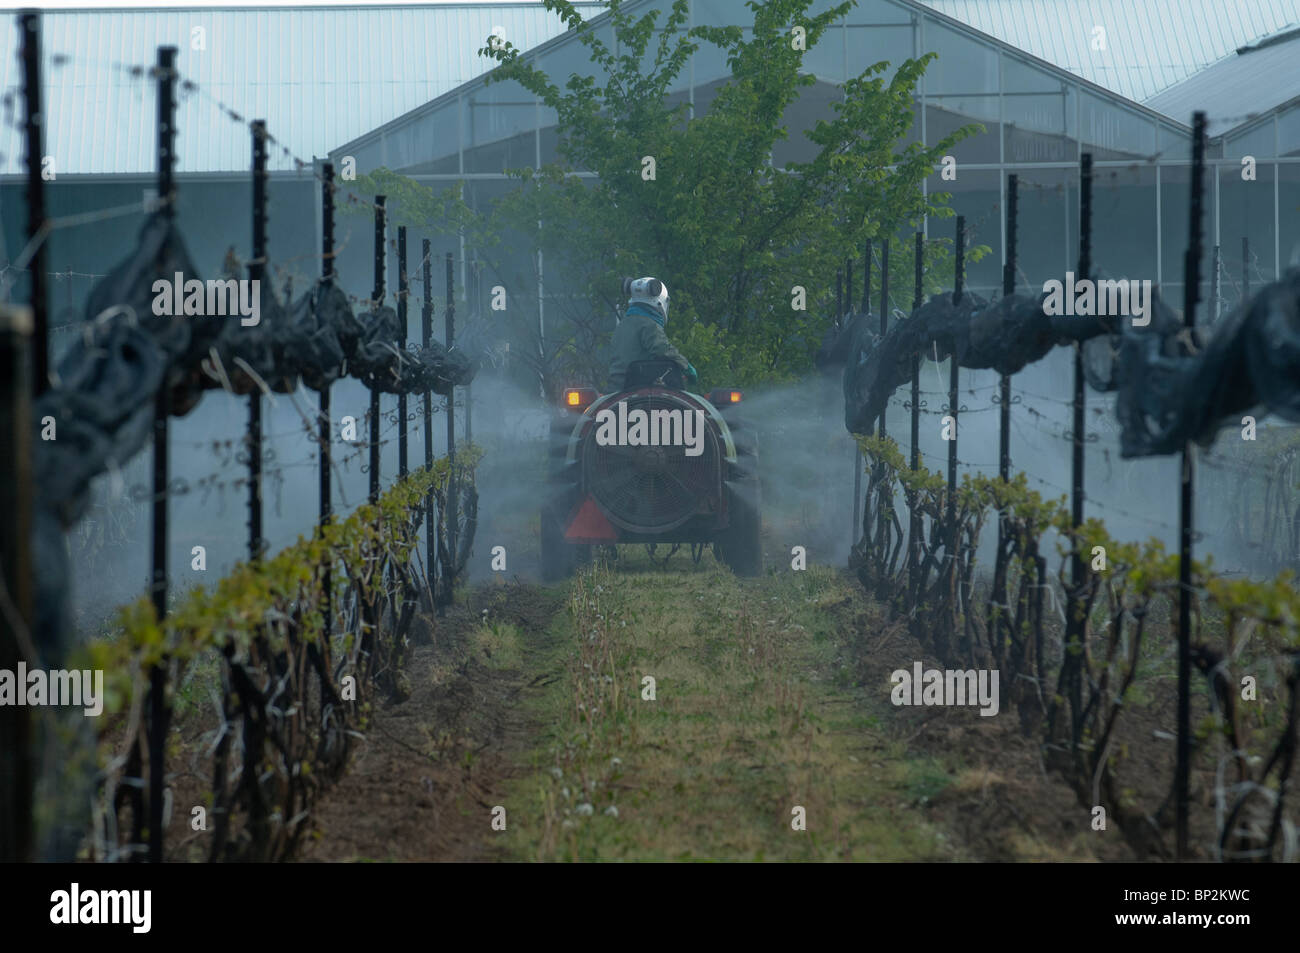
174	4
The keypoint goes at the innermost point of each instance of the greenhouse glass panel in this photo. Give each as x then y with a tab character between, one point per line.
1256	141
947	115
869	45
976	195
1040	126
1123	221
1246	211
1109	131
963	65
1288	133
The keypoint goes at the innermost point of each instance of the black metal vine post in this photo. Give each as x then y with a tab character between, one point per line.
326	424
951	513
914	527
452	515
257	272
426	335
1074	622
1186	514
159	714
839	298
856	531
1245	269
469	388
401	346
378	301
884	316
1004	382
1216	269
22	339
866	278
17	764
29	25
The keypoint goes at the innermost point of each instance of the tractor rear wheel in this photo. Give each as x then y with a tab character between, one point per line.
560	558
740	546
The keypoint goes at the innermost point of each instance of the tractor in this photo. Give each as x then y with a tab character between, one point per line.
651	464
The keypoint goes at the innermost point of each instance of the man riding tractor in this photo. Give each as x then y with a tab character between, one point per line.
640	335
648	461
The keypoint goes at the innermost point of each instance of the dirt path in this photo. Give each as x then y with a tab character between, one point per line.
423	782
771	695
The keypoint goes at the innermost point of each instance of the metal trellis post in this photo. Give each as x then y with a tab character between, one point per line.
159	714
1186	513
426	335
401	346
378	302
326	423
29	25
951	510
257	272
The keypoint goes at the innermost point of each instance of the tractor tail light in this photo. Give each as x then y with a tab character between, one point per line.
724	396
578	399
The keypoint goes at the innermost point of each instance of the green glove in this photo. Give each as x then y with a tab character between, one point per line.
692	374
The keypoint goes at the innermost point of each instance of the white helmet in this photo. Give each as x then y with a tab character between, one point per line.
648	291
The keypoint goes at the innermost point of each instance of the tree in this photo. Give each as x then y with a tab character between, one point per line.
697	200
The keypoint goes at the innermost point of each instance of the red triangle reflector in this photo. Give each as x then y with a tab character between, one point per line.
590	526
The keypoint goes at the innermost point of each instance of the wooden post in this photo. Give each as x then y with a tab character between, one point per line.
1186	514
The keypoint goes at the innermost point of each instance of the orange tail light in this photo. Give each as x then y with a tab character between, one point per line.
578	399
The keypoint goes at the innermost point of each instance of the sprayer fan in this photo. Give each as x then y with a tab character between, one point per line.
651	489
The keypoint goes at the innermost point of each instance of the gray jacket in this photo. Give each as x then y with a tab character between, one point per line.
640	338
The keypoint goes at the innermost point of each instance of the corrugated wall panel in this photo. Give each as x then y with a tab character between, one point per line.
1151	45
319	77
1236	87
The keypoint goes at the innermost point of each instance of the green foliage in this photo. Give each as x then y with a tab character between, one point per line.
245	604
729	232
412	203
1146	568
722	361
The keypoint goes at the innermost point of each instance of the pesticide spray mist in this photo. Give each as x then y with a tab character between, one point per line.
807	464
